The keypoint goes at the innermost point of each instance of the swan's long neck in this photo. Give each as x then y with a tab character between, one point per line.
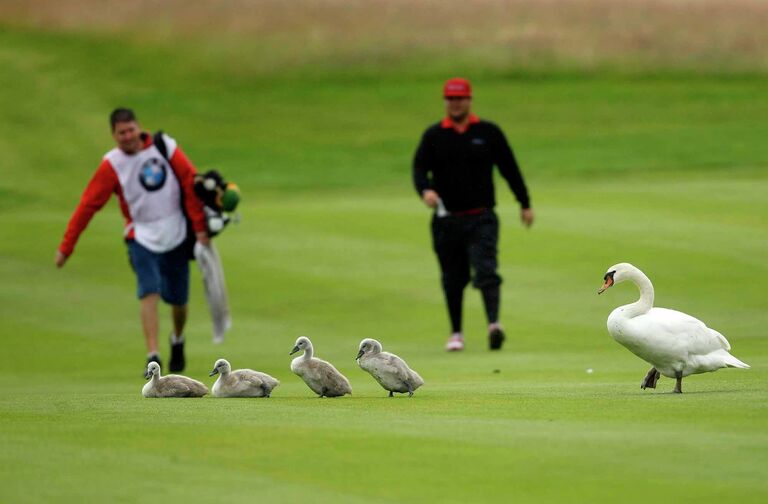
645	302
308	352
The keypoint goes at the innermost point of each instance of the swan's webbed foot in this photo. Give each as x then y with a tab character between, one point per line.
650	379
391	394
678	383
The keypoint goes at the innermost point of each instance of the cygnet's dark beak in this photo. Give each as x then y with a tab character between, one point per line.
295	349
215	371
360	354
147	374
608	282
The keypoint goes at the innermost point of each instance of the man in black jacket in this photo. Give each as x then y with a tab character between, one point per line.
453	173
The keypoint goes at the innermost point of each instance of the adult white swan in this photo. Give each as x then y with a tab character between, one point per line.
674	343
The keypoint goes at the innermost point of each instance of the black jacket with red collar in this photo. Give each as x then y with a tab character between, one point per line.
459	165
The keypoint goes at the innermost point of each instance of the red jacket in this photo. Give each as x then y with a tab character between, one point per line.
105	182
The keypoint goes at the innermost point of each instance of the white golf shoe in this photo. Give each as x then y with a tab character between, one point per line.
455	344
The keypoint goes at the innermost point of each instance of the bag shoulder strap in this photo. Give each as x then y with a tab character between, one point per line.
157	139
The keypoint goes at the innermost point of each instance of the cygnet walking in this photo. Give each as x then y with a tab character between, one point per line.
242	382
388	369
171	385
319	375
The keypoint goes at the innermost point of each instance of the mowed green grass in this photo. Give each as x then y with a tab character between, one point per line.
665	172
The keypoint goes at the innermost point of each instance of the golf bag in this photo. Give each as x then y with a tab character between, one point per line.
219	198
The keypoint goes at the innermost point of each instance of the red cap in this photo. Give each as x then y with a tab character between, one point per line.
457	87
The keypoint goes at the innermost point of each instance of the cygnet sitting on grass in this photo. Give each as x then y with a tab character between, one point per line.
388	369
319	375
171	385
242	382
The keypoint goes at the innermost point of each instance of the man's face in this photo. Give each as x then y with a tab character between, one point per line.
458	107
127	135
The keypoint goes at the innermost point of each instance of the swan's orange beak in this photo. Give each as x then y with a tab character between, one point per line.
608	282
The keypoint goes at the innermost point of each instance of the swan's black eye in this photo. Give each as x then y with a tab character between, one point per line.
609	274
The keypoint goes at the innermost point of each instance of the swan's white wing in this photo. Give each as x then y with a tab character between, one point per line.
680	330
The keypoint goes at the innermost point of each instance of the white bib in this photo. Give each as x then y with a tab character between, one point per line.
153	195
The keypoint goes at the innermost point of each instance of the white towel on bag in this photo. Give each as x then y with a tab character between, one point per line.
209	262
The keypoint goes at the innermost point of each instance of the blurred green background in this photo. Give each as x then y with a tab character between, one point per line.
640	127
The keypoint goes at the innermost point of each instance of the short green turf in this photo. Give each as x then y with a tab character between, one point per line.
667	172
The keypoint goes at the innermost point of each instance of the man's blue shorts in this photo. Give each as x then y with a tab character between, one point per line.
166	273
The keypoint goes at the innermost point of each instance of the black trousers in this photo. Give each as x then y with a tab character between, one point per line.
466	247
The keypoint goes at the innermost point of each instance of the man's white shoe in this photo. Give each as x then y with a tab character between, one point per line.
455	344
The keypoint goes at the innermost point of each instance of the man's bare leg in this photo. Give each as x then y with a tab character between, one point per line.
178	361
149	321
179	313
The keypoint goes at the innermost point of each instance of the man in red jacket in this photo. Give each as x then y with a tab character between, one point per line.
153	181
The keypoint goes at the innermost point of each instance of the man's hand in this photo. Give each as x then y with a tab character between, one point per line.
202	237
430	197
60	259
526	216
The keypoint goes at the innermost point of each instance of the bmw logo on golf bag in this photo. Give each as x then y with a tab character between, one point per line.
152	174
